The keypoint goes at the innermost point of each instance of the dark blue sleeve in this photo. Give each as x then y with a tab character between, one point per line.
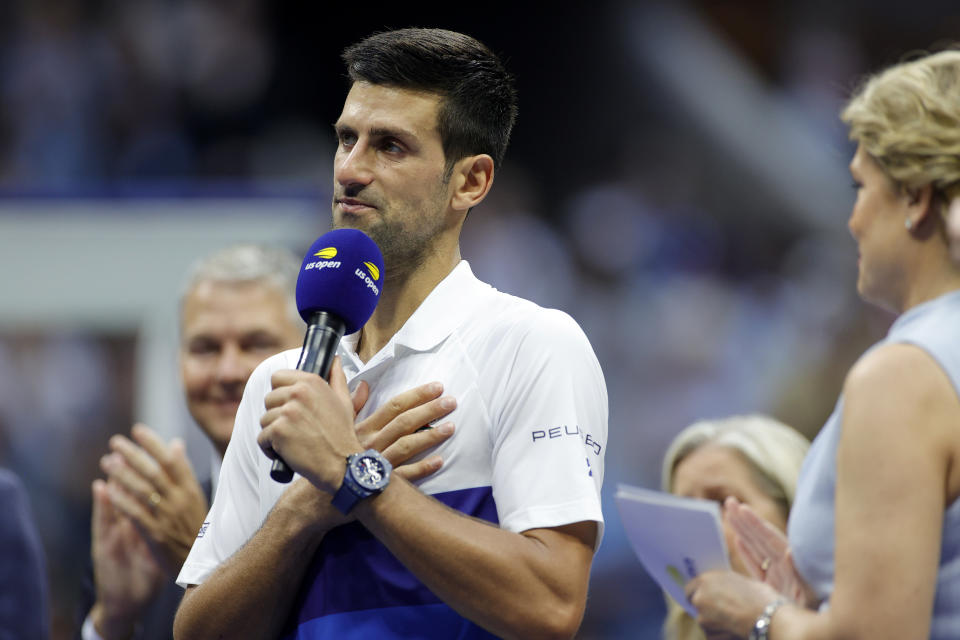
24	608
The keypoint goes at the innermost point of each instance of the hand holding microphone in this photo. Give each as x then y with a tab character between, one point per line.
337	290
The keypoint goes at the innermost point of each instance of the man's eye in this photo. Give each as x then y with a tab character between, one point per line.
203	347
261	343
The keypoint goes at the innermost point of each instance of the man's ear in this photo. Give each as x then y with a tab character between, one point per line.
472	178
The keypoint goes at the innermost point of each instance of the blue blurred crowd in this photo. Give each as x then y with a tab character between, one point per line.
700	299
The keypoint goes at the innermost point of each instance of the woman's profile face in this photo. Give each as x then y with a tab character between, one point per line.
714	472
877	224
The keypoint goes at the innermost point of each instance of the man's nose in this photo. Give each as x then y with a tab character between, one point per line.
354	167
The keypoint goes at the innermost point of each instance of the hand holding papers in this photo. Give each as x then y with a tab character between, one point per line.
676	538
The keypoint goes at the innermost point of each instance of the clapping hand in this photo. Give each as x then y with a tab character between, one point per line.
126	574
765	551
153	484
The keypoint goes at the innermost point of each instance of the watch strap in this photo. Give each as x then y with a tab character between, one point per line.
761	628
345	498
351	492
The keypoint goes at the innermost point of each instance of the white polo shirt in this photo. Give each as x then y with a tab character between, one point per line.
531	420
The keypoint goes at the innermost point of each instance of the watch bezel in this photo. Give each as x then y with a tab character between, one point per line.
360	475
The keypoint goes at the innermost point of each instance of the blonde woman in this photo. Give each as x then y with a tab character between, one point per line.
752	458
875	529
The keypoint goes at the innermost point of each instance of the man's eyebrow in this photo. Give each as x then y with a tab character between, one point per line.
377	132
387	132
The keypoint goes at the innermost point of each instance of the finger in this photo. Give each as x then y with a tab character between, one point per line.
751	560
180	469
420	469
756	558
285	378
269	417
338	380
140	461
103	515
413	444
278	415
411	420
768	540
399	404
730	504
129	507
406	412
738	518
123	475
339	386
756	531
802	594
276	398
265	443
150	442
360	396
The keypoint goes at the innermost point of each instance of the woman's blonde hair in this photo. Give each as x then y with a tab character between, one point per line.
907	118
773	451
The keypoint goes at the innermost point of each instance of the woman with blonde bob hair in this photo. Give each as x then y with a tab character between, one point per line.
752	458
874	535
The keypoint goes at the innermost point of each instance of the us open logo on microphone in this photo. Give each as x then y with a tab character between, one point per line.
369	279
326	262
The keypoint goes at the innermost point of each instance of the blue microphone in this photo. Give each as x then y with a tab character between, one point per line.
337	290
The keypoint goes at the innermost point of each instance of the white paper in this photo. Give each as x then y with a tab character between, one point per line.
676	538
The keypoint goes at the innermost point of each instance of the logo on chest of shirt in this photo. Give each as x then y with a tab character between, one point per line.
203	529
565	431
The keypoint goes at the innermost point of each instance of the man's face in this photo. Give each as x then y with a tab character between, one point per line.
389	173
227	330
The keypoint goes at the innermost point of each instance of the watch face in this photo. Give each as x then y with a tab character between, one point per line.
369	472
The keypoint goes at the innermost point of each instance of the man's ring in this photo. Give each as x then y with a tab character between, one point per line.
765	565
154	499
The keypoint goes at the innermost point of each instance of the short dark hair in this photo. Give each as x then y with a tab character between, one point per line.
478	98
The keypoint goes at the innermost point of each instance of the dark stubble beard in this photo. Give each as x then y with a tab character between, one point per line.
404	243
403	252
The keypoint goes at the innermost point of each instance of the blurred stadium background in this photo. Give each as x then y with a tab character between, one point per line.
676	182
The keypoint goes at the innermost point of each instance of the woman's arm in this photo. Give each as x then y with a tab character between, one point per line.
898	442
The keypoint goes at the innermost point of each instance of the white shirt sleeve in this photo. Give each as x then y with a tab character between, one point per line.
550	427
88	631
235	514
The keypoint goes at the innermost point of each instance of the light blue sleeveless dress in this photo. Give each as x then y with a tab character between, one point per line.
935	327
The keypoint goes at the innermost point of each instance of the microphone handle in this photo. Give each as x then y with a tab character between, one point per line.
319	348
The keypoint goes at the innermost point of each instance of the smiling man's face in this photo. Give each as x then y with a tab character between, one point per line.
227	329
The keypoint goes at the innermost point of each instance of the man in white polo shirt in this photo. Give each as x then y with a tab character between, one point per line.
498	541
237	308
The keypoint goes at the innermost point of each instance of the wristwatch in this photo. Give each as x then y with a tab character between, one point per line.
761	628
367	474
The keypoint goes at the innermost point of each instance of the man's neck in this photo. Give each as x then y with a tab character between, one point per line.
400	299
